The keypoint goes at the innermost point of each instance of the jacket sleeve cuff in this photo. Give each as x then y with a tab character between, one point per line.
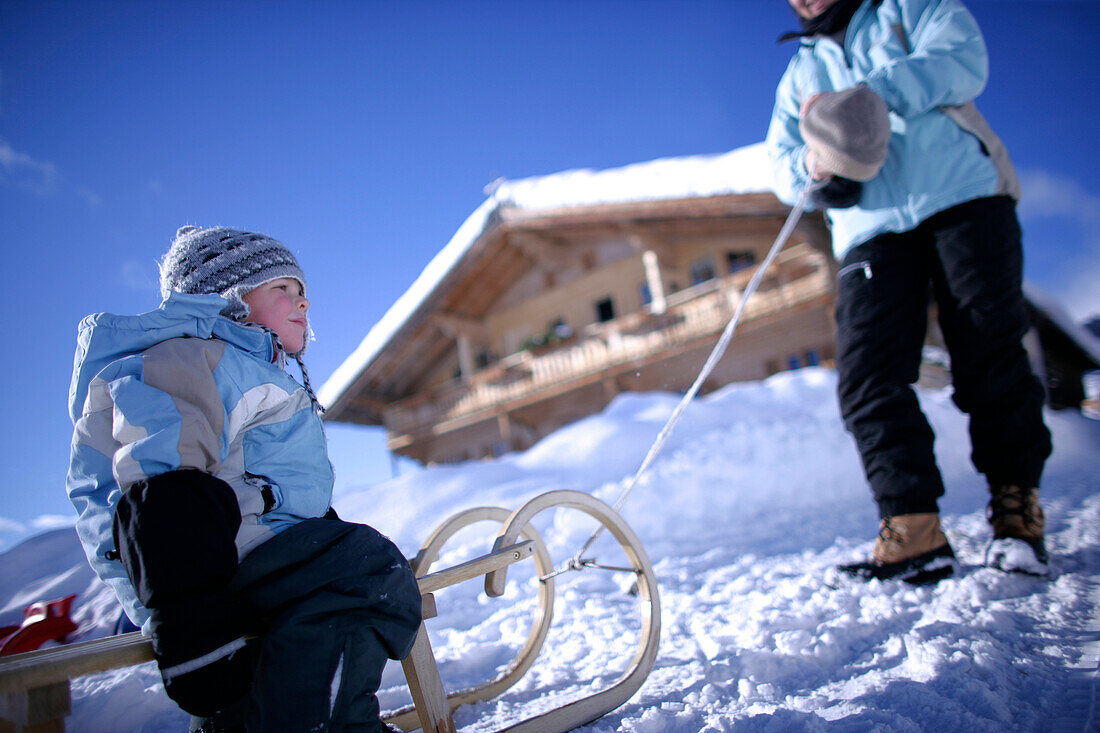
798	177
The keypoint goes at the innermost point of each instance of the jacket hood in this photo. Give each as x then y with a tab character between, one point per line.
103	338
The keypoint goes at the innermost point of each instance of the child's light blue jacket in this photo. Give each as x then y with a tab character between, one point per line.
933	163
183	387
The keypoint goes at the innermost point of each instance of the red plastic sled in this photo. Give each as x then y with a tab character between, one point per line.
42	621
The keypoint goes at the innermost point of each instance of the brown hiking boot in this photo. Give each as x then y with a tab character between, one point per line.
1015	514
907	536
910	547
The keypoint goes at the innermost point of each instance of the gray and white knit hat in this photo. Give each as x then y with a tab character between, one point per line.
849	132
229	262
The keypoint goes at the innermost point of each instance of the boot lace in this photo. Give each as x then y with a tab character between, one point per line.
888	533
1011	501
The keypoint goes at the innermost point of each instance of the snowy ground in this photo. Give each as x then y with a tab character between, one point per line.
756	495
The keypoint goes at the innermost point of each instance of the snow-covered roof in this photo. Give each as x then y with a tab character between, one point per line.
744	170
1049	306
741	171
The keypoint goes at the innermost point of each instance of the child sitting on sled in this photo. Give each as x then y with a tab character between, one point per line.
201	477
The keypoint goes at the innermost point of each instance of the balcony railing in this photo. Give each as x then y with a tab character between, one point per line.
799	275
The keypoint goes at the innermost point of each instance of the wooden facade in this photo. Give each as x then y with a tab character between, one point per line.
551	313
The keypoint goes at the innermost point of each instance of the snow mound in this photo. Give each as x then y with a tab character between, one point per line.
756	495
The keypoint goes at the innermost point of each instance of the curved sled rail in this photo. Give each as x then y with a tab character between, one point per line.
406	717
590	708
517	539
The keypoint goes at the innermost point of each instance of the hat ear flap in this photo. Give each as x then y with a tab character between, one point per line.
236	309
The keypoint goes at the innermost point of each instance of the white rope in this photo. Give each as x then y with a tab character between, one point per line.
715	355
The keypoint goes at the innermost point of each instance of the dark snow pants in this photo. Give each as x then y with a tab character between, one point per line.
293	638
969	258
330	601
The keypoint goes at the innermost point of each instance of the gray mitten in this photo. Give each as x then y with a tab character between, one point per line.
849	132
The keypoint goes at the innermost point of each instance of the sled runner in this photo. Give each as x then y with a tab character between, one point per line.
34	686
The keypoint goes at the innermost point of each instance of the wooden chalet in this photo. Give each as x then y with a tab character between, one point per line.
562	291
1062	351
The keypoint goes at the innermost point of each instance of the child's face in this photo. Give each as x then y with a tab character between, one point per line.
281	306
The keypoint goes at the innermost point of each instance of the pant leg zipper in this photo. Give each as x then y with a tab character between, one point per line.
865	266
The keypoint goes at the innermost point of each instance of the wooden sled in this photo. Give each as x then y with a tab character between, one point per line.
433	707
35	693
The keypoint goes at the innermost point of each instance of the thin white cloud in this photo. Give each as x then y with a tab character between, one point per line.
24	172
40	178
52	521
91	198
1046	195
10	525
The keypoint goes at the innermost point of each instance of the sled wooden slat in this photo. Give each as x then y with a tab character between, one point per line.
45	666
429	697
40	710
478	566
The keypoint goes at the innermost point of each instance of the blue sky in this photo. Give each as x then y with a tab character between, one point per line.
362	134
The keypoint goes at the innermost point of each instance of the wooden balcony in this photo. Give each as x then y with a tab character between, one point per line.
799	276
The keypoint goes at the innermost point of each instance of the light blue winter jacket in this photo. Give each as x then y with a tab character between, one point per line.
183	387
933	163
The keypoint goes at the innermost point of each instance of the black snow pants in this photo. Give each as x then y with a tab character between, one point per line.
331	602
970	259
293	638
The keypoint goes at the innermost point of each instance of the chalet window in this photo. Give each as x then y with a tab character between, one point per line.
737	261
794	361
484	358
643	290
605	310
702	270
812	358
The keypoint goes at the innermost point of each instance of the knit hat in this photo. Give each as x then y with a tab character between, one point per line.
229	262
849	132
